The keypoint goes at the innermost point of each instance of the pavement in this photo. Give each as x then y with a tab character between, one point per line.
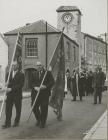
98	130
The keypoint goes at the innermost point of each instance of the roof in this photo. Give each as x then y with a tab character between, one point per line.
93	37
68	8
3	38
36	27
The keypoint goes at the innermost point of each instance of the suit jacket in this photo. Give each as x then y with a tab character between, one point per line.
36	82
81	84
99	80
16	84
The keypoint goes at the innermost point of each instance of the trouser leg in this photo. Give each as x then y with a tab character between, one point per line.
74	98
95	96
65	93
18	106
59	115
36	109
100	96
44	112
80	98
8	111
80	95
100	99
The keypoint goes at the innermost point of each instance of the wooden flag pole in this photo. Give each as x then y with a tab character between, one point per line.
43	80
36	97
4	97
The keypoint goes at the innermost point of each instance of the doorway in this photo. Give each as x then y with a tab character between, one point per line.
28	76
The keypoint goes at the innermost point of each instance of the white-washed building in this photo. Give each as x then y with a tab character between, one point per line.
3	59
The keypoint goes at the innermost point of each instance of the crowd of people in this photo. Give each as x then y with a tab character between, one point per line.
85	83
78	84
41	81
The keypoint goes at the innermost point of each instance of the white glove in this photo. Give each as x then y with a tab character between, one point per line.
36	88
43	87
8	90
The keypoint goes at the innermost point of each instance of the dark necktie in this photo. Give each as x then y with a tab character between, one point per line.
39	74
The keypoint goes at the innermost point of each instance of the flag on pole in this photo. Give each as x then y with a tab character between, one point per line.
57	66
18	52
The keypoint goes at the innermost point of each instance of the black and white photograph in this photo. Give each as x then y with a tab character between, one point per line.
53	69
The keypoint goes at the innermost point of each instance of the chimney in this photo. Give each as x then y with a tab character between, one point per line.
27	24
100	38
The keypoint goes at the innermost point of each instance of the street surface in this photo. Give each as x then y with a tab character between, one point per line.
78	118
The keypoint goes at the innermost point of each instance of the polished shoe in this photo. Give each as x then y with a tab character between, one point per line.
5	126
15	124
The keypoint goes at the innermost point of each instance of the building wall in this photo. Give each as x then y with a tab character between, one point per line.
3	59
29	63
95	53
73	62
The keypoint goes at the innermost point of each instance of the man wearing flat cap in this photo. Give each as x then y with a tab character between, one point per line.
40	109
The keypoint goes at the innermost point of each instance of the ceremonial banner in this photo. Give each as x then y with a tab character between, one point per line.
58	70
17	54
57	66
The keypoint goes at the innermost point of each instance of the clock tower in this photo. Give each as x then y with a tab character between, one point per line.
70	18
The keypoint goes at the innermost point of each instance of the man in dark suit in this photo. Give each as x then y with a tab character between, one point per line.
14	95
81	85
40	109
98	84
74	84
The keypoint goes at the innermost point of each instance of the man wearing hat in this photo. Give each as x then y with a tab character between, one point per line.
40	109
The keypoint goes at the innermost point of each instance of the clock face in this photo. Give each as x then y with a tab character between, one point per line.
67	17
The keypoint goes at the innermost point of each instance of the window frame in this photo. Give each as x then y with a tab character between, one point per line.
68	52
27	50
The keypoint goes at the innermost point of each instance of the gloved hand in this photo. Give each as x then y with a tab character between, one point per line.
43	87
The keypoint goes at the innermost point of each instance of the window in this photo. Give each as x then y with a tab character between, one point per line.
68	51
74	53
31	47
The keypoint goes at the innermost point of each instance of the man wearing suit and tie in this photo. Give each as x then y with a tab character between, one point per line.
14	95
40	109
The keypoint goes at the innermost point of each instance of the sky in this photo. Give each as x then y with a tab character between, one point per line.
16	13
